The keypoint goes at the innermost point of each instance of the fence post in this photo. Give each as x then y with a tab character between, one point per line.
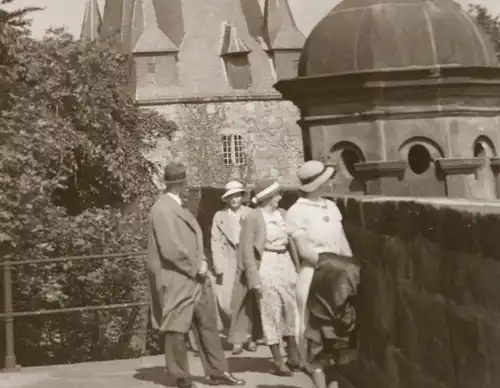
10	355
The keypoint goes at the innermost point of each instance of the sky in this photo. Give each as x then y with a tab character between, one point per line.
69	13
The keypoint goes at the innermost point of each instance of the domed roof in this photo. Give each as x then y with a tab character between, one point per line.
373	35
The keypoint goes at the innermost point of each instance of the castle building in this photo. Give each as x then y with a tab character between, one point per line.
209	66
404	96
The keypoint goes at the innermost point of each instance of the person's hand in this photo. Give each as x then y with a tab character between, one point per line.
258	293
203	268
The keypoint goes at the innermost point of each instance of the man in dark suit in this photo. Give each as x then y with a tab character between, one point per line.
181	293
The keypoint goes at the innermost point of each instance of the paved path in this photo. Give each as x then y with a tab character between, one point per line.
146	372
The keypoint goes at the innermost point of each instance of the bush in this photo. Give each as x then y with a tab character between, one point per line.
74	182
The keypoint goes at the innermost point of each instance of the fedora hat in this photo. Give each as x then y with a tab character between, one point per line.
174	173
233	187
313	174
265	189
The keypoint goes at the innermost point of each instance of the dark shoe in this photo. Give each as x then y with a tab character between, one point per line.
185	383
237	349
281	370
226	379
294	366
251	346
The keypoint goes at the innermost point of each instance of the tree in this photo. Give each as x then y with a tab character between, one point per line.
72	146
490	23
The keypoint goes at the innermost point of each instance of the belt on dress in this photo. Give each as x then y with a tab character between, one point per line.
284	250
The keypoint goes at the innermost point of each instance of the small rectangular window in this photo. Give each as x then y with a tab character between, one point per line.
233	150
151	66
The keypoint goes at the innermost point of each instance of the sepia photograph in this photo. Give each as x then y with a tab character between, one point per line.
249	193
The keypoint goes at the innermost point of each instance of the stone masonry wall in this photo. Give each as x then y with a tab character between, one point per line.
272	138
429	312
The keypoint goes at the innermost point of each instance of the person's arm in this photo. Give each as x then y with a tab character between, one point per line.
247	251
169	243
216	245
345	247
296	226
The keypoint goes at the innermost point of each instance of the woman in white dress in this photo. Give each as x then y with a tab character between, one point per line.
315	224
270	263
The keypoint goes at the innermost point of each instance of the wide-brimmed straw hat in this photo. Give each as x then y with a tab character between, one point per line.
233	187
313	174
174	173
264	190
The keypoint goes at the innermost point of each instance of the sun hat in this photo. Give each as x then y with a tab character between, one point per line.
233	187
265	189
174	173
312	174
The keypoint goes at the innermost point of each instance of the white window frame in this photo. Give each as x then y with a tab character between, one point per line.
233	149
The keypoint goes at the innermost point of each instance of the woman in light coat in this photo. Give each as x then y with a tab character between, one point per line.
225	236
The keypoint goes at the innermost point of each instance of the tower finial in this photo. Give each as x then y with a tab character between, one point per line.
92	21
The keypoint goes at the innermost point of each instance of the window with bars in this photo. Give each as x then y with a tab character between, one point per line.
233	150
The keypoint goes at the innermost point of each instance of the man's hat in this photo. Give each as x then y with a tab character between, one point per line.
174	173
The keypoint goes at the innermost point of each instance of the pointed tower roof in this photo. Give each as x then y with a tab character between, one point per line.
152	39
231	41
91	21
280	31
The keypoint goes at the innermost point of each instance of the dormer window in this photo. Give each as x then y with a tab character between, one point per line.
234	52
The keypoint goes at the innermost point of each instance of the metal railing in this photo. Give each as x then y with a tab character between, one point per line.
9	314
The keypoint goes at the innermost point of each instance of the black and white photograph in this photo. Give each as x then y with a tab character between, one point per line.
249	193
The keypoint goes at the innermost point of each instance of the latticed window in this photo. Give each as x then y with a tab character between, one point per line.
233	150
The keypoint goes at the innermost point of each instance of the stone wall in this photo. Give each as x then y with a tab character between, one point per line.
272	140
429	312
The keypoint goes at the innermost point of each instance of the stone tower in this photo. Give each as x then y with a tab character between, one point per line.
404	96
210	67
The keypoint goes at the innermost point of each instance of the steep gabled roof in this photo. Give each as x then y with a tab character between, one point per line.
152	39
92	21
280	31
231	42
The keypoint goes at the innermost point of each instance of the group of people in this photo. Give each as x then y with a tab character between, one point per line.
263	261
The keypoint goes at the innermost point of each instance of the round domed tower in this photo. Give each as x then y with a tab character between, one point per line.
371	35
400	94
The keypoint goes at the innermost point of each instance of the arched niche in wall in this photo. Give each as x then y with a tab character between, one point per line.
484	186
345	155
423	177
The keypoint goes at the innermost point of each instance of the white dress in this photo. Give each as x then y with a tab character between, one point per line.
278	276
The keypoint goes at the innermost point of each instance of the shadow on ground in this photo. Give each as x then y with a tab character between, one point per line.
277	386
237	365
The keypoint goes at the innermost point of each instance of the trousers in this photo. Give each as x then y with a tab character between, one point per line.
205	328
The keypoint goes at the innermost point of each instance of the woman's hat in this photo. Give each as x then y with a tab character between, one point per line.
313	174
233	187
265	189
174	173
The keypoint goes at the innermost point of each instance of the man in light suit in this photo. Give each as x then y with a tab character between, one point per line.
182	297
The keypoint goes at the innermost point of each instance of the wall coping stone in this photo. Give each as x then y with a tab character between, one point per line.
468	205
451	166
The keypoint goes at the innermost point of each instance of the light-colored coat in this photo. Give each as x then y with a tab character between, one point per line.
175	253
250	250
224	246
